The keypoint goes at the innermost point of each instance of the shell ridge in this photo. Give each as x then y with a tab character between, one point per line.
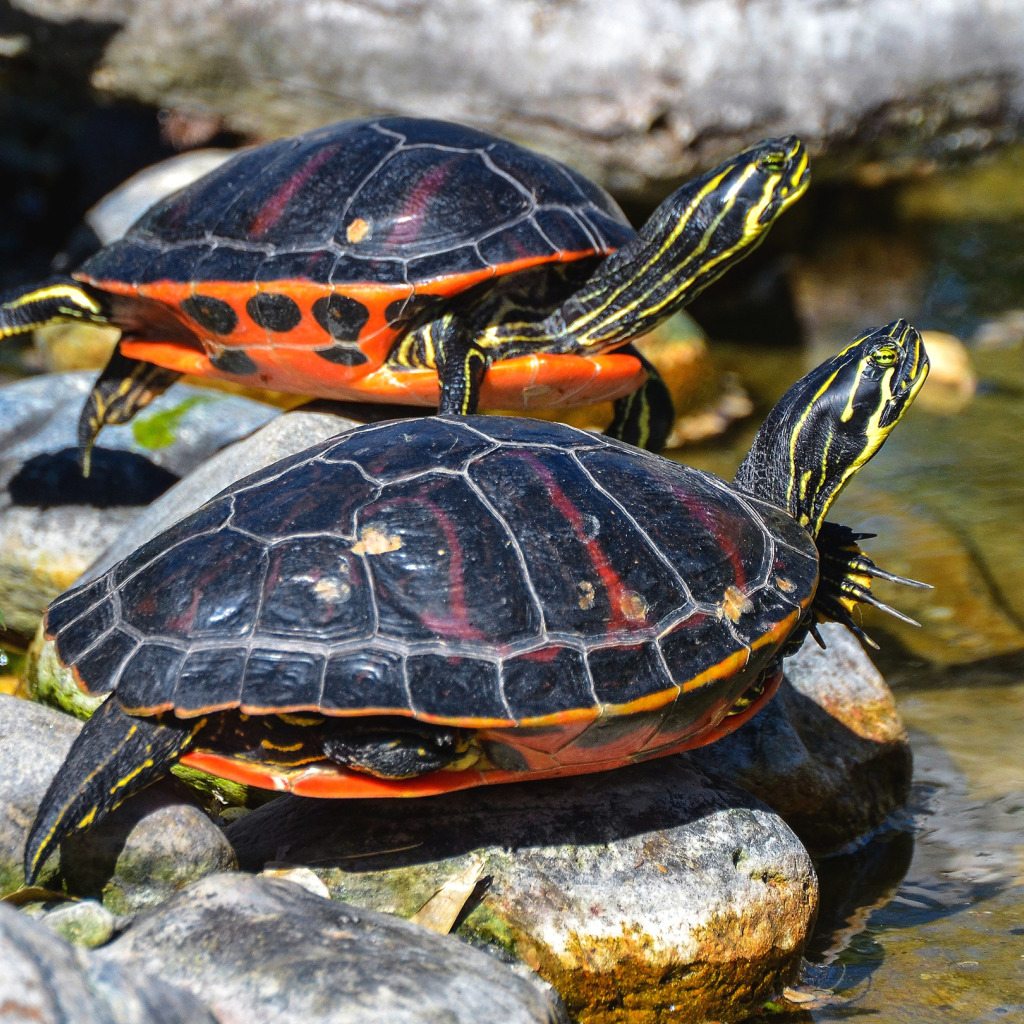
652	547
389	155
107	595
514	542
243	193
162	551
529	194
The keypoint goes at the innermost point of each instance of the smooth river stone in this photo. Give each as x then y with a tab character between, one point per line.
45	980
136	857
829	752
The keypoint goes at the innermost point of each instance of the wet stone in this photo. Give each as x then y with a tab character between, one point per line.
261	949
54	522
45	980
829	752
629	891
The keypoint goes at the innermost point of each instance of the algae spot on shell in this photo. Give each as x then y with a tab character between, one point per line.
376	542
734	604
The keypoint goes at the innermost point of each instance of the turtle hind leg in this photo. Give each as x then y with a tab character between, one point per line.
123	388
112	758
645	417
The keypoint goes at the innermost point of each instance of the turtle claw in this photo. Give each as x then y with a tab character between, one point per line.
846	576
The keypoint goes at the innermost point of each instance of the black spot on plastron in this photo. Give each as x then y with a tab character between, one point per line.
343	355
341	316
234	360
407	309
213	314
274	312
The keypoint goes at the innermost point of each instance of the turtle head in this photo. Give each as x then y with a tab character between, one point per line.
831	422
719	217
756	185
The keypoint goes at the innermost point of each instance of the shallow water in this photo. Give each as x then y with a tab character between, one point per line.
925	923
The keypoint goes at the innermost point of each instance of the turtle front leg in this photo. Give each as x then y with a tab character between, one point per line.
123	388
845	580
114	757
644	418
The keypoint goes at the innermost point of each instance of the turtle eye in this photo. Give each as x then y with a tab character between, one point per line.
885	355
772	163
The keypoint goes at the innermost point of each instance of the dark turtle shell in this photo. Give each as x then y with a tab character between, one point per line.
310	255
523	578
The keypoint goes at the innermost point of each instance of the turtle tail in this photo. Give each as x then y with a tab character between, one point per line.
114	756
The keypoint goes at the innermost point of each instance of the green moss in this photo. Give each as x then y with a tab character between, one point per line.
159	430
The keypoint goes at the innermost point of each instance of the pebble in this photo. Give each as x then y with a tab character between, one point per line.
136	857
45	980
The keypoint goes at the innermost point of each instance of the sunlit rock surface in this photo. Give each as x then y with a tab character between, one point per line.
643	890
829	752
45	980
136	857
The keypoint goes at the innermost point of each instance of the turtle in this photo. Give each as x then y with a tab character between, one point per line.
409	261
423	605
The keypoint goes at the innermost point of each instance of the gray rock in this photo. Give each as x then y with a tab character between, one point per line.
46	981
258	949
647	888
33	742
136	857
829	753
147	850
53	523
285	435
634	92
